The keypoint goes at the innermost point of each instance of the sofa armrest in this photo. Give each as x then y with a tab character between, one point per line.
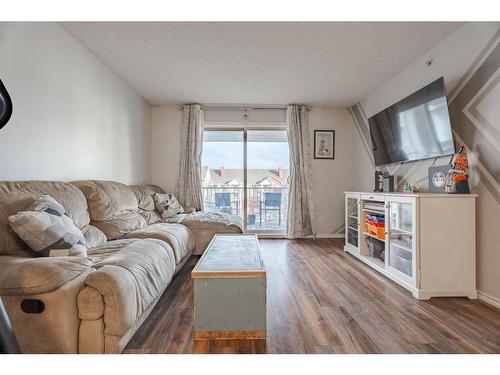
54	284
29	276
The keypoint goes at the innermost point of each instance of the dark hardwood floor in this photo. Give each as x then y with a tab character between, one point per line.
321	300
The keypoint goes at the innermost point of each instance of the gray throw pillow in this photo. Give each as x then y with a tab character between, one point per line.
48	230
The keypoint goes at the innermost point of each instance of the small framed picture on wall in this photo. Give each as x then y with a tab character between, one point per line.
324	144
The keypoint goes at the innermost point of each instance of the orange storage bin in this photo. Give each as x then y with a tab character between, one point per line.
371	225
381	231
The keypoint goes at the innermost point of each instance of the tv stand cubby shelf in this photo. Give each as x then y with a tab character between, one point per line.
424	242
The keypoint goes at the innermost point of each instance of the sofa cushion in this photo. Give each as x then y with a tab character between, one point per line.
151	217
178	236
205	224
131	275
30	276
146	204
113	207
16	196
107	199
48	230
145	194
120	225
167	205
93	236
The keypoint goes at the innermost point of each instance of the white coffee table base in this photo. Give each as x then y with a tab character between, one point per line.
230	290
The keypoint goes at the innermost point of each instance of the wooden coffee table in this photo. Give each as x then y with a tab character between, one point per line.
230	289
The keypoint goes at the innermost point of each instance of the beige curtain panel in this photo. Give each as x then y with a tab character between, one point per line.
189	186
300	221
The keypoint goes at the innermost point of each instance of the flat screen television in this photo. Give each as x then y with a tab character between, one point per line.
417	127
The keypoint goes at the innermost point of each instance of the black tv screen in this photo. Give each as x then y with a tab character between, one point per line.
417	127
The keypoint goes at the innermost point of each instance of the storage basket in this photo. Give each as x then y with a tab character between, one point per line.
375	248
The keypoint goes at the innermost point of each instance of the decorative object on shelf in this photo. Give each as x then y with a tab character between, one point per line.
379	181
409	188
324	144
5	105
389	183
437	178
458	175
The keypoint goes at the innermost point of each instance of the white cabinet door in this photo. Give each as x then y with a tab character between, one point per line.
352	221
401	238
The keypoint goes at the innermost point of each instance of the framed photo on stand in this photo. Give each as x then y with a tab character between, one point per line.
324	144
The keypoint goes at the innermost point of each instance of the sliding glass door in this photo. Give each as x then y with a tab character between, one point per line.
245	172
267	180
222	171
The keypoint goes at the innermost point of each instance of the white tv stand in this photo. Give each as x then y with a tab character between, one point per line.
429	241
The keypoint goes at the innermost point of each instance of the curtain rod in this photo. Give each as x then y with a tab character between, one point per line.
249	108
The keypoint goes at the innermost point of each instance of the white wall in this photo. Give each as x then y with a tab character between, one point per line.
330	177
363	171
73	117
167	122
452	58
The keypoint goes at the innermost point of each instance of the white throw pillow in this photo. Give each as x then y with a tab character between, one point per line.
48	230
168	205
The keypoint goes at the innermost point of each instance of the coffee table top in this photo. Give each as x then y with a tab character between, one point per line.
231	256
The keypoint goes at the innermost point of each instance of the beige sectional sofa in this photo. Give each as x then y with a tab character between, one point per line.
95	304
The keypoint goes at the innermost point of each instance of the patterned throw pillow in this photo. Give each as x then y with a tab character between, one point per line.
48	230
168	205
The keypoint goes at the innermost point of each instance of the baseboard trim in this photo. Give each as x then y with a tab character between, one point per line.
283	236
331	235
328	235
489	299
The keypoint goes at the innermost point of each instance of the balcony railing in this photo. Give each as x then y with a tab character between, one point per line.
266	209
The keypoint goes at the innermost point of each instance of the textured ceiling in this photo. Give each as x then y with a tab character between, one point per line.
325	63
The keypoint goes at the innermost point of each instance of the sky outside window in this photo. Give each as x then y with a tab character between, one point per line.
266	150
